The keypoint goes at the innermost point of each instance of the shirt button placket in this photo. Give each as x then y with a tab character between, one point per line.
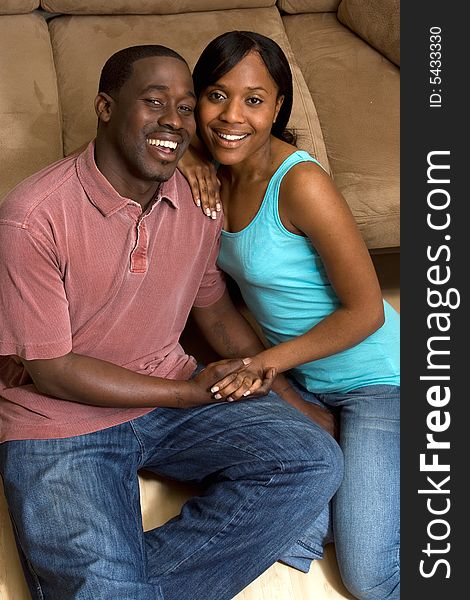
139	254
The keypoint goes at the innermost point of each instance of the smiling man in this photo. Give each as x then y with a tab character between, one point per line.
102	258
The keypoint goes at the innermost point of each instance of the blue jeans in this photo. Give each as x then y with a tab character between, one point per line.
366	508
267	471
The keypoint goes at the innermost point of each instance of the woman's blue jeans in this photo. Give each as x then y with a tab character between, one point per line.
366	508
267	472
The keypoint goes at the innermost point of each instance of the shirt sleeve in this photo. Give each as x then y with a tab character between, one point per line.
213	282
34	320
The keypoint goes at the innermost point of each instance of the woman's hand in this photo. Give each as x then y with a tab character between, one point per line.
202	178
226	370
253	380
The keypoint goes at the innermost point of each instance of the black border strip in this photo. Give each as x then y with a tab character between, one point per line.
434	250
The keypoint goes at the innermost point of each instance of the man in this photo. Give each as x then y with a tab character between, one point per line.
102	258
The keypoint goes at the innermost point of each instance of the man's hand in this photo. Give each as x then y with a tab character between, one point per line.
252	380
226	370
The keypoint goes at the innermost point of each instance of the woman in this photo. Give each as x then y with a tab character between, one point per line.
292	245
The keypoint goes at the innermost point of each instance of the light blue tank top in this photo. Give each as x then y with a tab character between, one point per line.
284	284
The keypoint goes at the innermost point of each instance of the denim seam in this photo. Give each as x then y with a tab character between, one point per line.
385	392
309	548
139	441
34	575
397	558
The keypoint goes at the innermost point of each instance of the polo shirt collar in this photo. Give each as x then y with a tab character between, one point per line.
103	195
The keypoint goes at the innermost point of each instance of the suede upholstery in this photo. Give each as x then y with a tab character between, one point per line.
17	7
345	92
307	6
30	130
82	44
143	7
375	21
356	92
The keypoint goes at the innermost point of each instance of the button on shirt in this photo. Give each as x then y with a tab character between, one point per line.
83	270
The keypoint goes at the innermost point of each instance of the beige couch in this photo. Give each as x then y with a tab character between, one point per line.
344	57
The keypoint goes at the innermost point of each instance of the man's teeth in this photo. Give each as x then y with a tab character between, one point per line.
231	138
164	143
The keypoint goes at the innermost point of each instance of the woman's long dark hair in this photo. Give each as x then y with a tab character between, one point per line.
228	49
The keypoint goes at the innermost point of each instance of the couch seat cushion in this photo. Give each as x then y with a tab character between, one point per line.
356	94
16	7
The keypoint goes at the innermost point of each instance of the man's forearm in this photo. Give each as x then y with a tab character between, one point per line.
97	382
227	330
92	381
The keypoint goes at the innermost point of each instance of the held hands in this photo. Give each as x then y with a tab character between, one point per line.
232	379
252	380
235	379
201	175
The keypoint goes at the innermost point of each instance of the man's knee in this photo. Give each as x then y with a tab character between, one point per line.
327	457
314	453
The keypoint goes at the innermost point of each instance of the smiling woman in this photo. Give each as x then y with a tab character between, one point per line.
293	247
237	112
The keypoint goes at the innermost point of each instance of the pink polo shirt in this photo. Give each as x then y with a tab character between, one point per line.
81	270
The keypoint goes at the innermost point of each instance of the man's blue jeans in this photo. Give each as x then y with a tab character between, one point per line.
268	472
366	508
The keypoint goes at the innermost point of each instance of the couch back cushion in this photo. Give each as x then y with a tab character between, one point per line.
375	21
143	7
82	44
17	7
29	108
295	7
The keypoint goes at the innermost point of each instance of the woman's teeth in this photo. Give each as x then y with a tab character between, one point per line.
231	138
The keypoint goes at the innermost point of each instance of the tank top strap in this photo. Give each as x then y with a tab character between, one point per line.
270	202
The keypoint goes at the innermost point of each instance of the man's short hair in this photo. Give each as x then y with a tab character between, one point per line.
118	68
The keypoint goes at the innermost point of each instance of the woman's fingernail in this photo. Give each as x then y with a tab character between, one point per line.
214	214
218	206
247	393
208	212
198	202
217	396
246	361
215	389
230	399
